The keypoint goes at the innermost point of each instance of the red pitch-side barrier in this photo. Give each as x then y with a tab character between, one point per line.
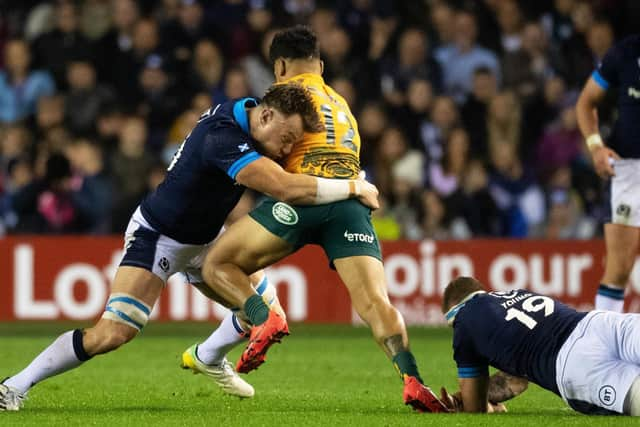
52	278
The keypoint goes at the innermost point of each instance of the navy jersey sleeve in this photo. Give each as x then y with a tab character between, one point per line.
230	150
470	363
606	75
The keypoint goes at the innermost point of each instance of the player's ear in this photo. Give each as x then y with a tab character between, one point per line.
266	115
280	67
321	67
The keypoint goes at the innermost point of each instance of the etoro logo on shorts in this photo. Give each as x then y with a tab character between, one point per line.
358	237
284	214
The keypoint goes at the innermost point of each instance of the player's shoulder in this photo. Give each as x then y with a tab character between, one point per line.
627	47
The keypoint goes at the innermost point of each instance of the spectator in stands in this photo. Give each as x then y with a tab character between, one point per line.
445	175
474	111
161	99
337	56
442	19
444	117
419	102
460	58
108	125
50	113
19	175
20	87
54	49
504	121
478	208
557	22
15	142
393	146
85	97
580	60
92	191
207	69
412	61
145	42
258	66
182	34
566	218
599	39
130	166
438	223
510	21
561	143
515	191
117	42
526	69
372	121
236	85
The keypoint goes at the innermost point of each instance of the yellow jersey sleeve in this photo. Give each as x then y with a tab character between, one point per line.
334	153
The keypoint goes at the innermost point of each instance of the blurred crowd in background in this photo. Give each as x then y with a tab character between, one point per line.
465	108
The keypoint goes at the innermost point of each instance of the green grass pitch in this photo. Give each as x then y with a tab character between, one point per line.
320	375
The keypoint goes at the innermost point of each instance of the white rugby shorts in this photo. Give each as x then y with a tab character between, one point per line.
599	362
145	247
625	192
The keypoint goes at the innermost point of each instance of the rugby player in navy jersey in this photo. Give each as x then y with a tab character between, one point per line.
591	360
228	150
617	160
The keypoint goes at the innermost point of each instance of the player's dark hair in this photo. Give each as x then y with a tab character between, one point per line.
297	42
457	289
292	98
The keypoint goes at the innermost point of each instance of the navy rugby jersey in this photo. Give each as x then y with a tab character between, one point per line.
199	191
620	68
518	332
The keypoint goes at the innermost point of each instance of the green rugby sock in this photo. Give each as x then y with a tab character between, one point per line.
256	310
405	363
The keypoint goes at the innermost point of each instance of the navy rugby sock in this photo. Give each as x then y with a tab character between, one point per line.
256	310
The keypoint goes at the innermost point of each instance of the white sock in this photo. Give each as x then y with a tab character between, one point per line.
228	335
59	357
610	298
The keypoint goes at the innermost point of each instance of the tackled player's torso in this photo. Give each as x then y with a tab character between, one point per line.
334	153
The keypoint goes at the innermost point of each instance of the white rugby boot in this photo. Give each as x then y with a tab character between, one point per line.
223	374
10	398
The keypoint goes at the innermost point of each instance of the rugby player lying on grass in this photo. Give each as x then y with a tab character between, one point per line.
590	359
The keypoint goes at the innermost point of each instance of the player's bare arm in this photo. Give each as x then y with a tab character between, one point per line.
268	177
587	115
503	387
473	392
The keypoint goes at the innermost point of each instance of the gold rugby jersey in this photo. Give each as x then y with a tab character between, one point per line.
334	153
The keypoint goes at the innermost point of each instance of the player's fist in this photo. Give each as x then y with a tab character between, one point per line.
603	160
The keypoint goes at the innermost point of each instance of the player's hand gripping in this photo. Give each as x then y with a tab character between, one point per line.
367	192
453	402
603	158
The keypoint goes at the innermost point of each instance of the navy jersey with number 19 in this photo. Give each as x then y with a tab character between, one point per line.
199	191
518	332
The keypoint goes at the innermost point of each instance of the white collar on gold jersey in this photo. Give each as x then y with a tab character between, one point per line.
450	315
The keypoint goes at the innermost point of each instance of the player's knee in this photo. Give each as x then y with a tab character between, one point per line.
127	315
375	307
